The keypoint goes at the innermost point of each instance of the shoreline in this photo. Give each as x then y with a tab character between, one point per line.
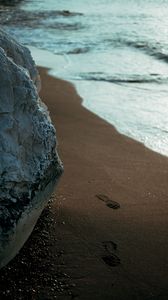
100	161
106	236
48	60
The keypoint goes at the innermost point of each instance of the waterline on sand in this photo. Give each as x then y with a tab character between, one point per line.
113	100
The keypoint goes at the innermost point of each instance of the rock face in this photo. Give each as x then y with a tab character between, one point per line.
29	164
20	55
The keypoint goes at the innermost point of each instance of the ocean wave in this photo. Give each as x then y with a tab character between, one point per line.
122	78
37	19
9	2
79	50
150	48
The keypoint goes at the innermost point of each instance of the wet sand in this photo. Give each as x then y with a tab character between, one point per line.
105	234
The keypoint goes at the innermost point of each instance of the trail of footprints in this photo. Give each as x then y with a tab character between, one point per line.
110	258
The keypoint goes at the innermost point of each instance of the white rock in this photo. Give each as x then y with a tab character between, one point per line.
29	164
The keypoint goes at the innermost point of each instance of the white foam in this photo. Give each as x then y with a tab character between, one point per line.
136	110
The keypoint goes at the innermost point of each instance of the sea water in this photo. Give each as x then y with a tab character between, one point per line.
114	51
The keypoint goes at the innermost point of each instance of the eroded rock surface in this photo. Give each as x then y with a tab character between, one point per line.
29	164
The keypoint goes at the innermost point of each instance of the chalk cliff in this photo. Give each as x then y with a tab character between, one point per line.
29	163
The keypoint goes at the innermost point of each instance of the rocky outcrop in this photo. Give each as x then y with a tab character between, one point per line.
29	163
20	55
9	2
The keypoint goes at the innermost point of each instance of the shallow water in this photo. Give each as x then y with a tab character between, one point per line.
116	53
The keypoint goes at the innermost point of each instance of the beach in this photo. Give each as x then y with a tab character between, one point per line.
116	56
104	234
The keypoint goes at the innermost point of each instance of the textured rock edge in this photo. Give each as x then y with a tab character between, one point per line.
14	238
17	219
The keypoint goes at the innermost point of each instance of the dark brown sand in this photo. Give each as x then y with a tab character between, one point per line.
105	236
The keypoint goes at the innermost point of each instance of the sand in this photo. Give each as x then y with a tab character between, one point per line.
104	236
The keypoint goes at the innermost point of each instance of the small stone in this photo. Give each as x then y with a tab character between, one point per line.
73	284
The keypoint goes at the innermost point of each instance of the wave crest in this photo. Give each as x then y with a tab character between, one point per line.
38	19
150	48
122	78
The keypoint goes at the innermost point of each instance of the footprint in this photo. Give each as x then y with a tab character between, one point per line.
110	203
111	260
109	246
